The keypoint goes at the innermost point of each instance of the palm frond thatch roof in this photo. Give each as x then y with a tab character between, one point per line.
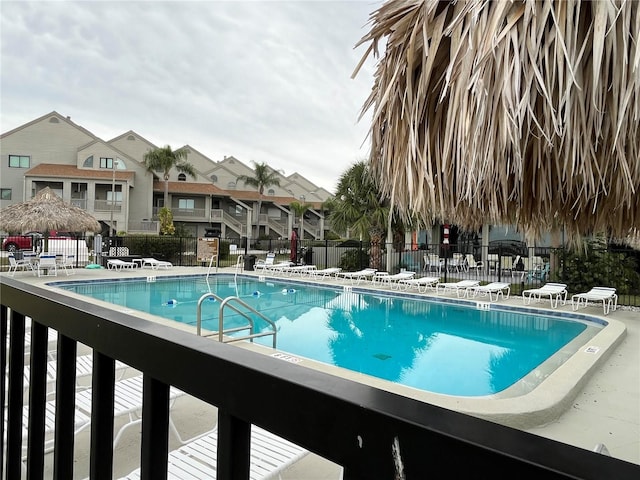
46	211
519	112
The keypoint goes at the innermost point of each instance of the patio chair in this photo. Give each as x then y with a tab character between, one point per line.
421	284
497	288
359	276
432	263
116	264
14	265
471	264
606	295
556	292
156	264
67	264
459	287
270	455
47	265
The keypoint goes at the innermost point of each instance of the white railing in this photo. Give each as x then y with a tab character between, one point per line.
218	215
107	206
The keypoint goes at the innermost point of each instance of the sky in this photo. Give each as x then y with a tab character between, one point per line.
265	81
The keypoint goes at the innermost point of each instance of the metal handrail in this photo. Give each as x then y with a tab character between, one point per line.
221	331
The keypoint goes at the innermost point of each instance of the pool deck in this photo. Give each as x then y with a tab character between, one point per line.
604	408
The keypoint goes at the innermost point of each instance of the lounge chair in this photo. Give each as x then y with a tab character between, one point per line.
360	275
421	284
497	288
555	291
392	280
128	402
606	295
156	264
459	287
116	264
324	273
15	264
299	270
262	264
270	455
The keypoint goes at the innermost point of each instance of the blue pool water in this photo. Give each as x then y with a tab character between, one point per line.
435	346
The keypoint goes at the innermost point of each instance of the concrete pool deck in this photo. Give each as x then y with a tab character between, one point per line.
605	408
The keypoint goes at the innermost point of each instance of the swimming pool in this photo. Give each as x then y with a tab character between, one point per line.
450	348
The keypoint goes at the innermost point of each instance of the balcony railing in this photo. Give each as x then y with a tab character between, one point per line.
107	206
79	202
370	432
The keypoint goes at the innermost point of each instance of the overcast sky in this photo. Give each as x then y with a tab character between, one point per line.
265	81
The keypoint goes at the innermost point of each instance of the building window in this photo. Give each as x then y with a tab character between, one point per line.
131	138
106	162
120	165
214	178
116	198
88	162
186	204
182	177
19	161
271	192
231	185
5	194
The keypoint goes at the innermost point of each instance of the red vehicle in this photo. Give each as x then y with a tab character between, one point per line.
29	241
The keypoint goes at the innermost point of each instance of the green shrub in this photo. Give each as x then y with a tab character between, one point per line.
353	260
594	266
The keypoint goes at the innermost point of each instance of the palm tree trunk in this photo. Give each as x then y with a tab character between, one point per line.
375	259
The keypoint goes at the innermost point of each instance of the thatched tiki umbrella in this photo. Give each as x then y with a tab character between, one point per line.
518	112
44	212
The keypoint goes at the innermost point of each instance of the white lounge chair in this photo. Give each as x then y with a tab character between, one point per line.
156	264
14	265
606	295
270	456
556	292
422	284
360	275
471	264
47	265
392	280
262	264
127	402
324	273
84	368
459	287
117	264
500	289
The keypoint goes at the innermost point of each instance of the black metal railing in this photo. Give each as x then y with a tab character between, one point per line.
522	266
369	432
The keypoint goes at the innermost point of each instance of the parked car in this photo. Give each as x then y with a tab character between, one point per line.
29	240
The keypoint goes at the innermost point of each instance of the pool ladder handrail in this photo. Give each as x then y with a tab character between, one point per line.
221	331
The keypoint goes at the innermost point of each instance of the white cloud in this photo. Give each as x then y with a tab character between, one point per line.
265	81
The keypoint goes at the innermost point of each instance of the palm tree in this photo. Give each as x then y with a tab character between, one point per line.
263	177
359	207
300	209
163	160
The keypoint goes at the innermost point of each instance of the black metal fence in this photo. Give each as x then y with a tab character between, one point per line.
372	433
523	267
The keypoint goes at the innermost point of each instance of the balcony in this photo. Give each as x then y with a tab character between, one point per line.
370	432
107	206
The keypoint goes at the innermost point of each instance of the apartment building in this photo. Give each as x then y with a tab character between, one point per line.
110	181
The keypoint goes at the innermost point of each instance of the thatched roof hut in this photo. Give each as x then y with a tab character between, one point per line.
515	112
44	212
